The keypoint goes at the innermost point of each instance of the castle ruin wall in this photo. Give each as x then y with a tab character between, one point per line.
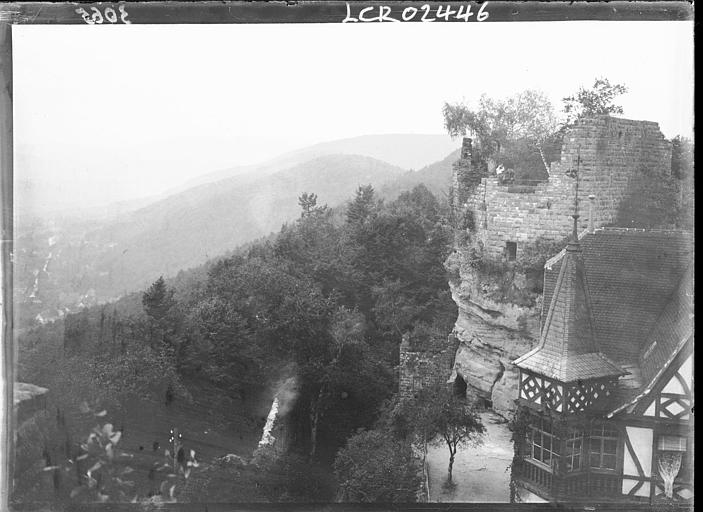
612	152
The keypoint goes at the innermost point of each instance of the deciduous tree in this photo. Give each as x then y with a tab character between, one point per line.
439	417
596	100
497	123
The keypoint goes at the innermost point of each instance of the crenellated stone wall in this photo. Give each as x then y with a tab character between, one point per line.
491	332
612	151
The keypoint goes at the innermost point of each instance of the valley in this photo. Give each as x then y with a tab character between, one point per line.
94	260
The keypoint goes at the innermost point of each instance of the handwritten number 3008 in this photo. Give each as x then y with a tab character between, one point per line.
97	17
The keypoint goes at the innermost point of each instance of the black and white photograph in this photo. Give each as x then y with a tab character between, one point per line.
310	254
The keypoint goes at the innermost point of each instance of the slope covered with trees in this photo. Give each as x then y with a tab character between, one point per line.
327	299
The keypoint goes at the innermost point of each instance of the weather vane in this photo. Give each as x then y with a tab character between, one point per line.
574	173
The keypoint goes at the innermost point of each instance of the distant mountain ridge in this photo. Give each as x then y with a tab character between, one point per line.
185	229
408	151
106	252
436	177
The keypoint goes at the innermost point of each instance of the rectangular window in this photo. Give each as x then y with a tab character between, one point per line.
511	251
541	443
574	450
671	444
604	447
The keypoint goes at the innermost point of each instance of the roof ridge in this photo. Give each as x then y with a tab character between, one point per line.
618	229
551	261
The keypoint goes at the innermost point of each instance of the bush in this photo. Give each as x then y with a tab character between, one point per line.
530	264
376	467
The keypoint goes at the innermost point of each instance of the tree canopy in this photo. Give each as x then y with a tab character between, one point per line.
524	130
497	123
596	100
158	299
376	467
308	204
437	416
509	130
328	297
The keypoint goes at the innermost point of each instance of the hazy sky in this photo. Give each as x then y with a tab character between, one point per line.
104	113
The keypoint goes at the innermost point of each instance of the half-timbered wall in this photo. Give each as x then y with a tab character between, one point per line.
660	425
637	461
675	399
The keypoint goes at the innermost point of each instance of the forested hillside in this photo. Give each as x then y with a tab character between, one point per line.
326	300
437	177
93	260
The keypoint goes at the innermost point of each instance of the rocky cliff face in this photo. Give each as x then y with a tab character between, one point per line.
491	335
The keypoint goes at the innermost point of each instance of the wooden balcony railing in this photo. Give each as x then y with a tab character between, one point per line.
574	484
537	475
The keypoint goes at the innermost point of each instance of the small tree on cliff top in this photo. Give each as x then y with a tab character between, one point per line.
528	115
597	100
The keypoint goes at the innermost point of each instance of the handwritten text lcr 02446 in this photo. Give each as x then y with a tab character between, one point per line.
425	12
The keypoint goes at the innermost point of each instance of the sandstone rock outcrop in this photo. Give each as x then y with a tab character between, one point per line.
491	334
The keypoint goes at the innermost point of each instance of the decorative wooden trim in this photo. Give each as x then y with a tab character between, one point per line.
636	488
682	381
653	464
651	421
640	403
682	402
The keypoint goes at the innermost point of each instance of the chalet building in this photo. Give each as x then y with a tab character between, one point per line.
606	397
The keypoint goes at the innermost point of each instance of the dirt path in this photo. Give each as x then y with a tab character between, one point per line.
481	474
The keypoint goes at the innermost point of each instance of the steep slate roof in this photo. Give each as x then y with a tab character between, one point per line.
672	331
568	350
632	274
641	291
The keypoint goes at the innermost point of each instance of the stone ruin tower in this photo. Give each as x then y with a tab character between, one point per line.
504	232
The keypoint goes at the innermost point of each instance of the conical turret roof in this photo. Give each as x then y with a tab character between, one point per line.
568	350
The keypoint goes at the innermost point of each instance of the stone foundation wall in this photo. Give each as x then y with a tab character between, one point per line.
422	367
